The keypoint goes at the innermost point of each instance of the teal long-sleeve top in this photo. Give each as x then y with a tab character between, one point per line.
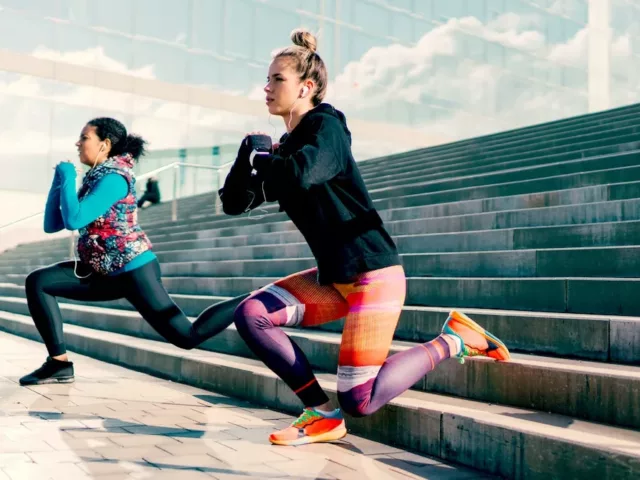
65	210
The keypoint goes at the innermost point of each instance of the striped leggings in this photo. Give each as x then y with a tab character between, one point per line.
371	306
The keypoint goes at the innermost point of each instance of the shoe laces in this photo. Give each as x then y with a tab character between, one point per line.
468	352
303	419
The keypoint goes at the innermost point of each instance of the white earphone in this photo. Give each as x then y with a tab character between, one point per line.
305	91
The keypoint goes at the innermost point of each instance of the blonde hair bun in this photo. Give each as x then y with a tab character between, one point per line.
304	39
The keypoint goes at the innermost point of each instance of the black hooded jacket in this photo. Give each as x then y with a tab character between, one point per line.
316	181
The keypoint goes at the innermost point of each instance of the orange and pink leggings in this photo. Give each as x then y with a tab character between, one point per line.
371	306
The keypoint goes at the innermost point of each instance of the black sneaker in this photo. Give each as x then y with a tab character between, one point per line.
51	371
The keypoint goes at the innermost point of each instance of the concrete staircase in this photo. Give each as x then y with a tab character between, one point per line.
535	233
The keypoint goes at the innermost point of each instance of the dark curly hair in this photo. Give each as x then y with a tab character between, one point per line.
121	141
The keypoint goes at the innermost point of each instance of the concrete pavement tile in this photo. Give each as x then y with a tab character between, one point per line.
64	471
309	468
64	456
243	451
9	459
256	471
95	433
10	446
139	440
132	454
62	441
172	475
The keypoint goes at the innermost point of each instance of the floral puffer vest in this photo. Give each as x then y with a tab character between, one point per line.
114	239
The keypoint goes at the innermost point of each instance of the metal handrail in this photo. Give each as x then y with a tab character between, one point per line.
174	165
21	220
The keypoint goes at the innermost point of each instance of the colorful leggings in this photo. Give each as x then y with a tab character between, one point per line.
367	379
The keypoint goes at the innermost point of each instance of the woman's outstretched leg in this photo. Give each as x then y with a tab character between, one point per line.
149	297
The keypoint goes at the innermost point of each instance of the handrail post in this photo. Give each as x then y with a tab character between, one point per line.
174	202
218	199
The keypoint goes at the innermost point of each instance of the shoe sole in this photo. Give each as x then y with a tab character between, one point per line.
49	381
501	353
327	437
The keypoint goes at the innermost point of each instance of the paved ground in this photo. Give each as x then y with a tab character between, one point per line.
115	423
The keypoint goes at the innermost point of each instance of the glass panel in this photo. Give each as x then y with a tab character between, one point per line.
404	4
26	33
272	31
45	8
117	54
207	25
326	48
425	9
402	27
477	9
166	20
372	18
205	71
66	123
77	11
240	78
421	28
161	133
330	8
449	9
78	45
25	136
286	4
160	61
346	12
110	102
361	43
239	27
101	14
313	6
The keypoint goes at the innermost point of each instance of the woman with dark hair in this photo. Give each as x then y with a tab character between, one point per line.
313	176
115	256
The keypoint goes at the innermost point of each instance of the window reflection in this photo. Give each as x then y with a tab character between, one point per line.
206	28
166	20
459	67
239	21
102	14
163	62
25	33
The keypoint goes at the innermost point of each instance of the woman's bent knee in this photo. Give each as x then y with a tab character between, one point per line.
251	315
352	406
35	281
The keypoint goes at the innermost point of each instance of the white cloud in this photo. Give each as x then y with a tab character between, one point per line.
621	46
574	52
93	57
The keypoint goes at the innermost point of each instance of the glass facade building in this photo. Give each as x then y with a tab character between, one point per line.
188	74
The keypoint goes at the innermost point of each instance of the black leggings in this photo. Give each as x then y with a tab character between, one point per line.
141	286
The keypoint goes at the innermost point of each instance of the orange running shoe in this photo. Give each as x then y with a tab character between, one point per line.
475	339
311	427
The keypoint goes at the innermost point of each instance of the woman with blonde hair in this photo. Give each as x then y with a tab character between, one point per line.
313	176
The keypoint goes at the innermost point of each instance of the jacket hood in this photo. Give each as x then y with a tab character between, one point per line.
330	110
